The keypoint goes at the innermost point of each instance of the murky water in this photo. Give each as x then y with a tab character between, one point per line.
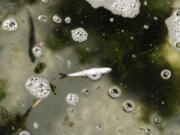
138	93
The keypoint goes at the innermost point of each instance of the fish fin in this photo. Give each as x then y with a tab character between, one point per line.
62	76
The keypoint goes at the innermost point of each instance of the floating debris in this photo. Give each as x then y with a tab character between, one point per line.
128	106
39	67
125	8
38	87
24	132
57	19
85	91
10	24
79	35
37	51
165	74
67	20
42	18
93	73
114	92
72	99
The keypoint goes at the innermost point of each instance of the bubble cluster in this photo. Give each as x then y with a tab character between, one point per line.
57	19
173	25
114	92
38	87
37	51
67	20
10	24
42	18
79	35
24	132
128	106
72	99
165	74
125	8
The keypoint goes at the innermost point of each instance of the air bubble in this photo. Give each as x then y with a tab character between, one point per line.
40	87
128	106
166	74
24	132
10	24
85	91
37	51
79	35
57	19
72	99
42	18
114	92
67	20
178	12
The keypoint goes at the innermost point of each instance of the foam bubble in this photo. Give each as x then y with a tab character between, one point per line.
57	19
165	74
72	99
114	92
37	51
45	1
10	24
24	132
79	35
67	20
173	25
36	125
38	87
42	18
128	106
125	8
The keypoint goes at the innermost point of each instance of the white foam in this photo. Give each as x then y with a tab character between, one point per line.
79	35
37	51
125	8
10	24
72	99
57	19
173	25
38	87
45	1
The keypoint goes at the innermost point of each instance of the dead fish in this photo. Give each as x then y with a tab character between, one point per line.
93	73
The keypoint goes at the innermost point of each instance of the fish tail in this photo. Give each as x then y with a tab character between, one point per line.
62	76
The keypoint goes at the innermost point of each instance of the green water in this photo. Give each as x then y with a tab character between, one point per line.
136	55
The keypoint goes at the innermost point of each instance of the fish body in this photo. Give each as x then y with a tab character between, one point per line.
93	73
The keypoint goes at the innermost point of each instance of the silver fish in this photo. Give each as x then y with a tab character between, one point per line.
93	73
